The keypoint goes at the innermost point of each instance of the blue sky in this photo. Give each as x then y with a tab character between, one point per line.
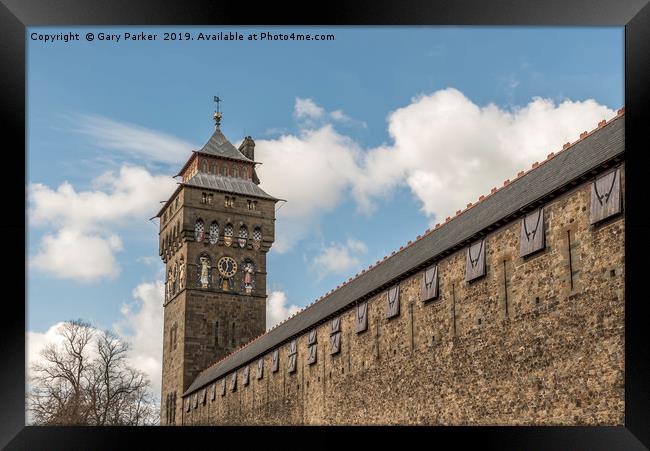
395	127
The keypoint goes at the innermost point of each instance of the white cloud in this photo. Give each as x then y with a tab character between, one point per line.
310	114
311	171
74	254
338	258
277	309
449	151
444	148
131	194
133	139
307	108
83	246
142	326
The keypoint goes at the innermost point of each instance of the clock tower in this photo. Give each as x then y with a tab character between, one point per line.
215	231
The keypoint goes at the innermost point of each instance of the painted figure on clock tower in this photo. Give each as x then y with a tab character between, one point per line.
215	231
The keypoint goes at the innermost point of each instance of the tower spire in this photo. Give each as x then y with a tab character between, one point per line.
217	114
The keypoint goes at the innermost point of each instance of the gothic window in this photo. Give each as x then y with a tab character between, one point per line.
176	204
204	271
228	233
257	238
216	333
243	236
214	232
209	199
215	170
246	374
234	171
250	204
204	166
248	277
224	171
204	198
199	230
232	337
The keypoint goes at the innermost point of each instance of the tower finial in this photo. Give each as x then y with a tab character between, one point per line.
217	114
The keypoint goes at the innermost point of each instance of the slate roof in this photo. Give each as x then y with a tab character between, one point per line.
559	170
227	184
219	146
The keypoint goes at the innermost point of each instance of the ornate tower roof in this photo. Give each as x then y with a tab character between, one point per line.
219	146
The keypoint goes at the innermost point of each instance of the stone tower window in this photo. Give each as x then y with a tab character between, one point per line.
233	334
204	198
243	236
210	199
216	333
214	232
228	233
199	230
257	238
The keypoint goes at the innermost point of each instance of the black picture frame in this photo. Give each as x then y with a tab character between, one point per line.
16	15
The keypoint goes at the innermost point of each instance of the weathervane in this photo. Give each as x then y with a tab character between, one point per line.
217	114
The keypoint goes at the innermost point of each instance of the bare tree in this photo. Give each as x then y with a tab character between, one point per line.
87	381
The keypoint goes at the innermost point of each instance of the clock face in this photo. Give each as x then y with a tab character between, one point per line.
227	267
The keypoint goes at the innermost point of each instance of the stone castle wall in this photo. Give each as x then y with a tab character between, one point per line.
538	340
